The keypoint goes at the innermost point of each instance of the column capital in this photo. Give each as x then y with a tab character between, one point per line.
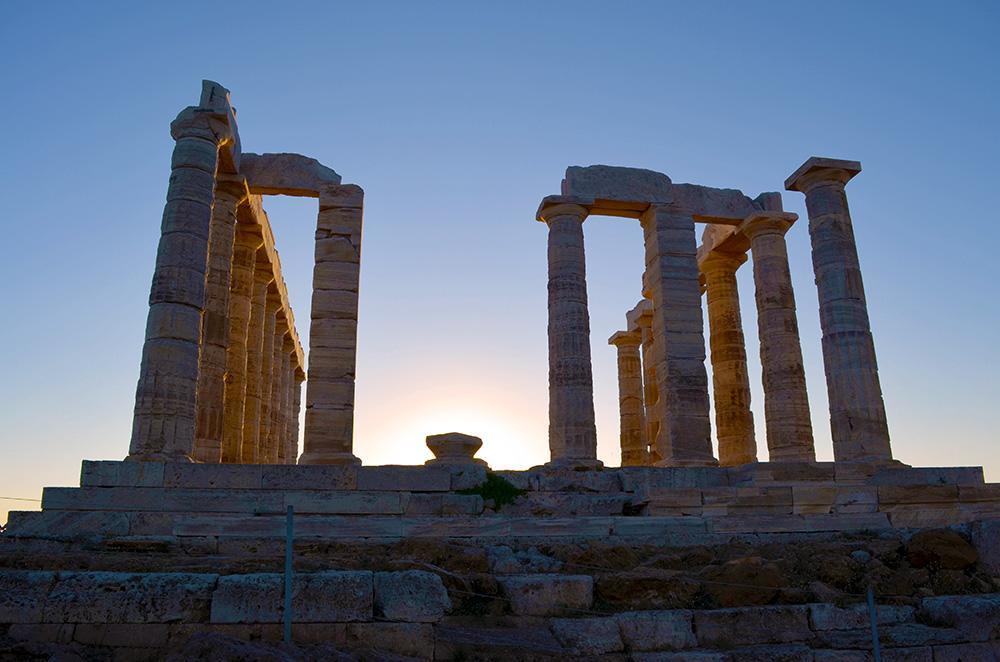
641	316
721	262
204	123
818	170
625	339
767	222
563	205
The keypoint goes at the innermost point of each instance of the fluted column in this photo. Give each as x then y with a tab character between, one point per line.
630	403
263	276
333	331
276	427
679	340
229	193
163	426
572	431
287	379
267	374
786	399
730	381
240	295
650	393
857	411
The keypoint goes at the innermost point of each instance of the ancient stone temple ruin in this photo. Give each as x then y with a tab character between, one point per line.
214	539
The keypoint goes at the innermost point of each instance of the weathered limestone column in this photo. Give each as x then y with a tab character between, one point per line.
572	431
240	294
685	435
293	442
276	427
643	316
786	400
733	418
857	411
163	427
263	276
267	373
333	331
284	406
630	403
229	193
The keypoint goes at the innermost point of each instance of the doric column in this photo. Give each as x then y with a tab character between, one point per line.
273	304
733	418
276	427
229	193
263	276
786	400
630	403
163	427
333	330
642	315
572	431
685	435
857	411
240	295
285	453
298	377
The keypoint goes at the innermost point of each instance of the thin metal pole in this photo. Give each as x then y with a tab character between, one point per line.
289	518
874	620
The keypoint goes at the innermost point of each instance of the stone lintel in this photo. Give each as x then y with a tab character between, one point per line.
214	96
819	168
630	337
286	174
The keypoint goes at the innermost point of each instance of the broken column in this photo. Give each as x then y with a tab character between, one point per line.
230	191
329	433
163	427
857	411
679	354
247	242
572	431
731	383
786	399
630	402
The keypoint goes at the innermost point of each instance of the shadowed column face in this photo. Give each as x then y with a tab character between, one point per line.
240	297
263	276
333	331
857	411
572	431
215	329
733	418
630	399
163	426
684	437
786	399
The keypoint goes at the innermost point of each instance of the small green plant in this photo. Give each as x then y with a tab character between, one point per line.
496	491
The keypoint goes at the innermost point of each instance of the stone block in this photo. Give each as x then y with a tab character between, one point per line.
67	525
668	630
522	642
917	494
522	480
229	476
968	652
915	476
23	594
466	477
978	616
404	478
565	480
565	504
796	523
133	635
584	527
306	526
344	503
155	499
637	478
121	597
415	640
286	174
831	617
617	183
903	635
54	633
986	539
320	597
588	636
413	596
724	628
505	561
441	503
309	477
115	473
664	528
548	595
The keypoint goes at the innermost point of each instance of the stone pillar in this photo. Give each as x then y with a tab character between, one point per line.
685	435
293	443
229	193
630	402
286	400
733	418
857	411
786	400
267	373
572	431
650	394
240	295
263	275
276	427
333	330
163	426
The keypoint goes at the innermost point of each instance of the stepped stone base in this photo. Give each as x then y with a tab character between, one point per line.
761	562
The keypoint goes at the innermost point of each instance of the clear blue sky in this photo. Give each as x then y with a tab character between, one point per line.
457	118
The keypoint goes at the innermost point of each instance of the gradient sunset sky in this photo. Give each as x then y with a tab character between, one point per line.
456	119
